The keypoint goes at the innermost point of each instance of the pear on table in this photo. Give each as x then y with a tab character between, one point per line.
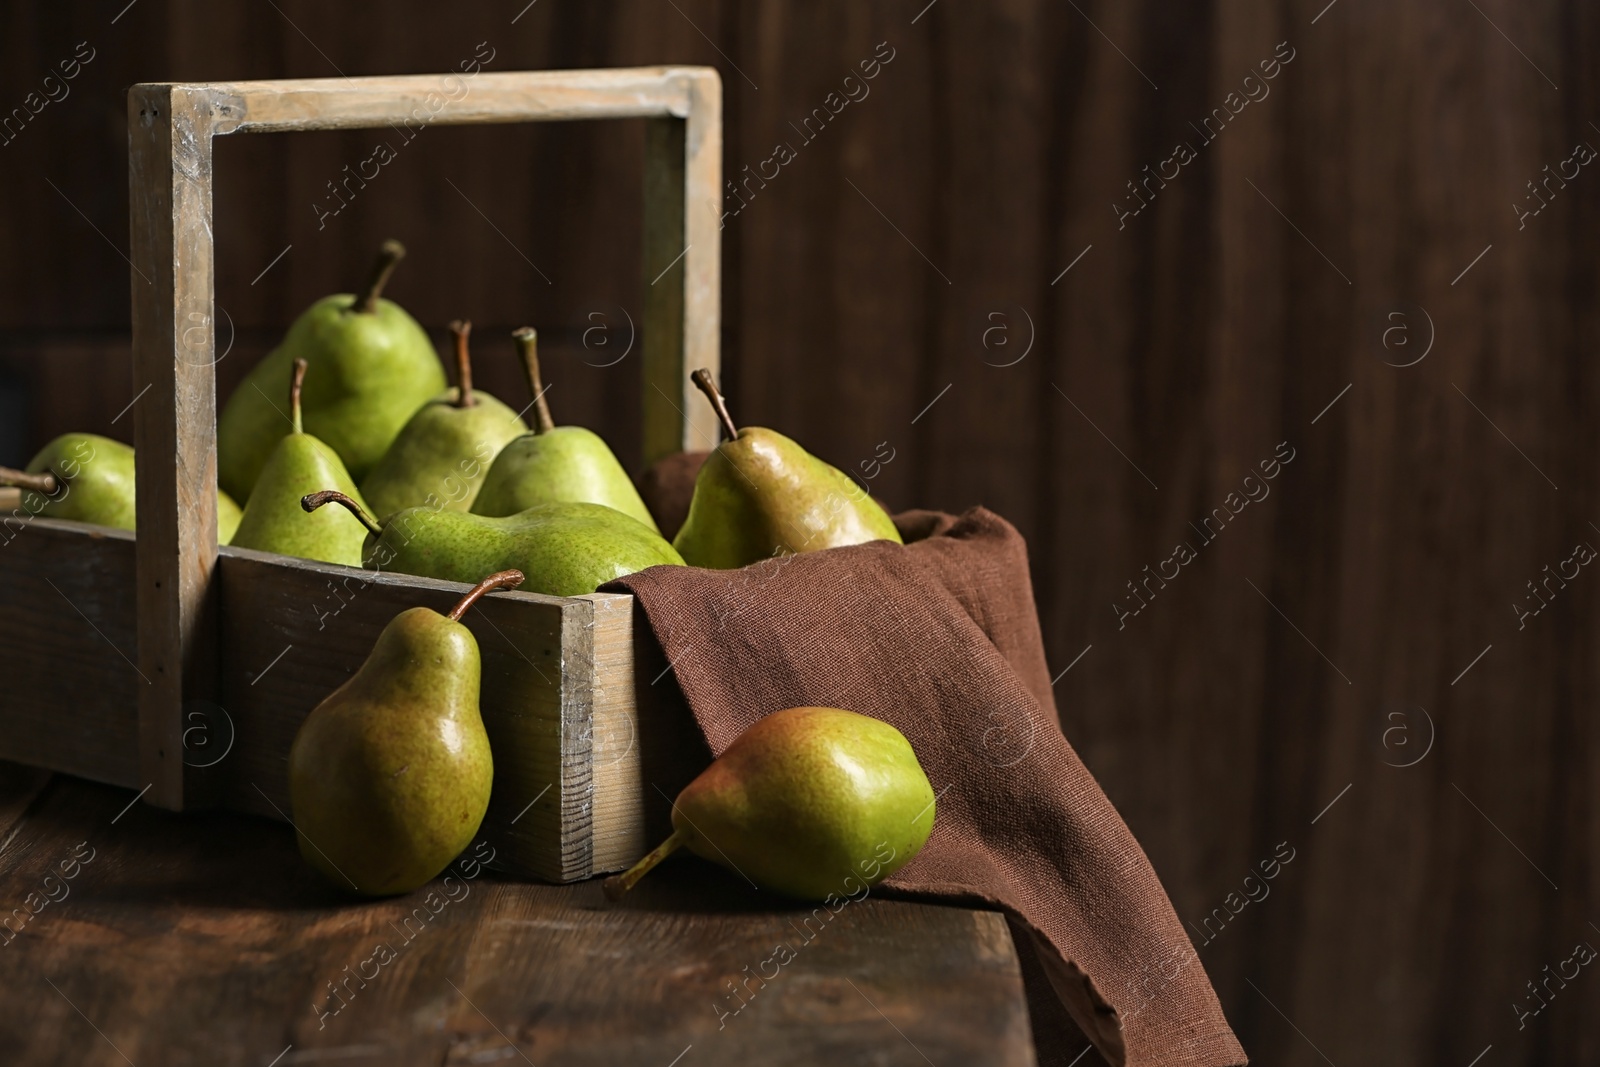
809	802
273	520
372	366
556	464
88	478
565	549
760	494
389	777
441	456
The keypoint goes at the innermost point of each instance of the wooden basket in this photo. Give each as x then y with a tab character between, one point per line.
168	665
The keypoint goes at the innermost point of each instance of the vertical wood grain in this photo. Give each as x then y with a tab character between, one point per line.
682	271
618	802
169	181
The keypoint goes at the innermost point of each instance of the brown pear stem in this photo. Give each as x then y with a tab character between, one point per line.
297	380
313	501
462	328
528	343
390	253
44	482
702	378
618	884
497	580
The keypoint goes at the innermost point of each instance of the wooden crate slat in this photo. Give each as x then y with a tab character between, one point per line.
175	424
682	273
68	648
452	99
618	796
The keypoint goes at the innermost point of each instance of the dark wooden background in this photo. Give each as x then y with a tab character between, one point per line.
1318	642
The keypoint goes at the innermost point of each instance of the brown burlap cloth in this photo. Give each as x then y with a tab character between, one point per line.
940	638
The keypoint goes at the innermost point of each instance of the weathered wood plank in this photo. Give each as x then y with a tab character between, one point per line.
169	180
69	648
682	272
448	99
618	829
204	938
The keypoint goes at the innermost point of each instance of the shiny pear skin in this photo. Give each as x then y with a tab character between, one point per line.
369	372
99	477
564	464
274	521
762	495
810	802
442	455
389	777
564	549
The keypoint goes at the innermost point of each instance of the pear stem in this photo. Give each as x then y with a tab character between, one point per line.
313	501
528	342
45	482
618	884
462	328
390	253
497	580
702	378
296	381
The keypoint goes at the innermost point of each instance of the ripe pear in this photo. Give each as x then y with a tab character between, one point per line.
444	451
79	476
761	494
372	367
273	520
389	776
89	478
568	549
810	802
556	464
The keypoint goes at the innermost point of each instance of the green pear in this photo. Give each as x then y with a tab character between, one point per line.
372	367
273	520
79	476
760	494
815	803
389	776
556	464
444	451
228	516
566	549
89	478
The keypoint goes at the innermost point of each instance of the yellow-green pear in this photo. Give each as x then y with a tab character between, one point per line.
444	451
760	495
273	520
389	777
89	478
556	464
811	802
372	367
565	549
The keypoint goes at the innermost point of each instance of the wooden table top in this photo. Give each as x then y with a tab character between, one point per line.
136	936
